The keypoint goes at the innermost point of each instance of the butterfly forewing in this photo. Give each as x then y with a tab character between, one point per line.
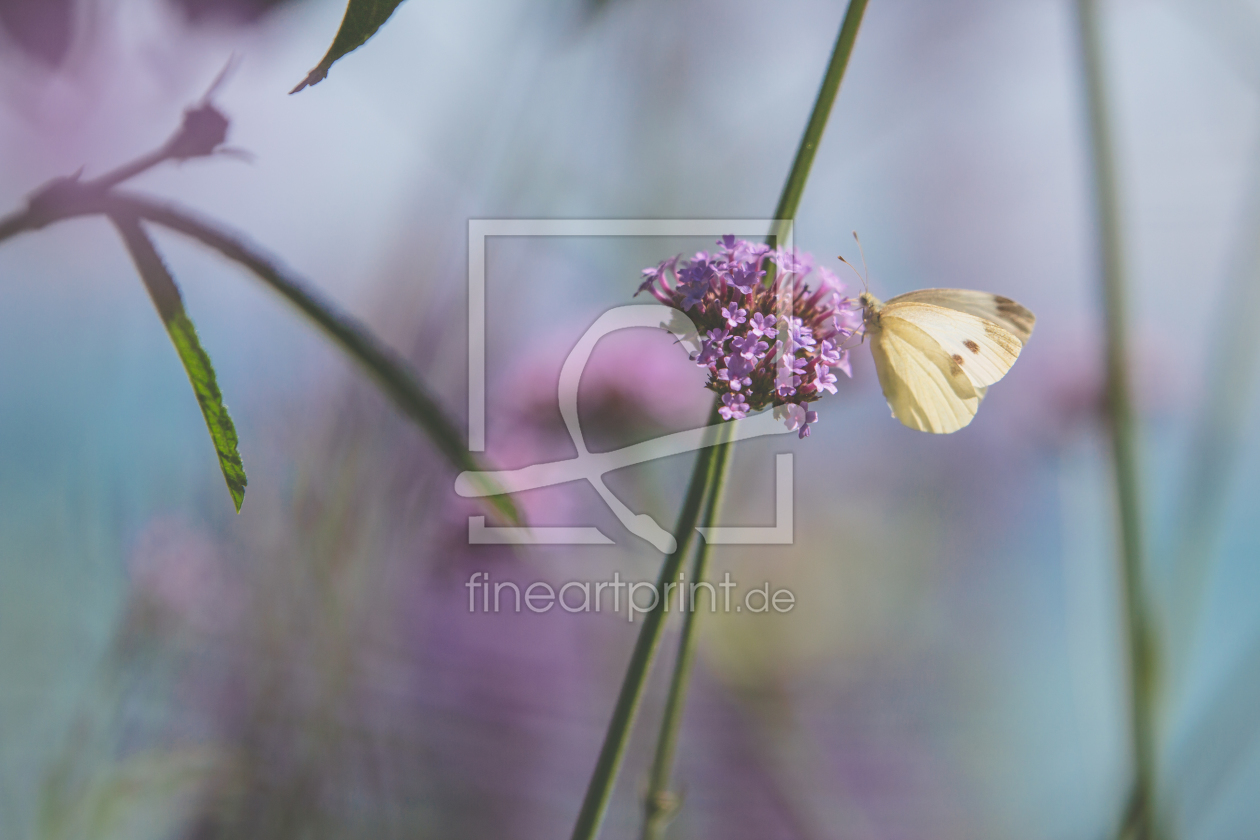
982	349
1002	311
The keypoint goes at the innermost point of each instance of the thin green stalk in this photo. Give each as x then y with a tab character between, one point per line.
660	803
1141	821
794	188
599	789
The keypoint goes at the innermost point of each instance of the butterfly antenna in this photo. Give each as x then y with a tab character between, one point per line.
865	271
844	343
855	272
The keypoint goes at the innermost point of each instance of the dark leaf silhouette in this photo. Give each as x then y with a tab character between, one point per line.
42	28
238	11
363	18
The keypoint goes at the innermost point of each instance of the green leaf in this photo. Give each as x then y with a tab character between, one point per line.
218	421
170	306
391	372
363	18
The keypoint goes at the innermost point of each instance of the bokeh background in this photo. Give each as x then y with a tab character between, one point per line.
954	666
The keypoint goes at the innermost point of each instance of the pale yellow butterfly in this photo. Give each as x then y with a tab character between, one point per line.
938	350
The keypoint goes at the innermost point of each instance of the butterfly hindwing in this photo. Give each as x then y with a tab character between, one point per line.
925	389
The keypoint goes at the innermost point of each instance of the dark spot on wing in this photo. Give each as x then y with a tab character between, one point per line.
971	345
1016	314
958	360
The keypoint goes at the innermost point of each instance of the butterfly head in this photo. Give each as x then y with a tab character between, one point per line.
870	306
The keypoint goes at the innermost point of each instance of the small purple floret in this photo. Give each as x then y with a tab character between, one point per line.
762	326
733	407
734	315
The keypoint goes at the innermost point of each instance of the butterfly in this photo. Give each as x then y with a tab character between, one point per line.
937	351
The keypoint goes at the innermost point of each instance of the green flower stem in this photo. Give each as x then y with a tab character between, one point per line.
660	803
599	790
794	188
1141	817
710	463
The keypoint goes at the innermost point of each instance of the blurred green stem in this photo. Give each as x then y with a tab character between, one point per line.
1140	820
660	803
794	187
599	790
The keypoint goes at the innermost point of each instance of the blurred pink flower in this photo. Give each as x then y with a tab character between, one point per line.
180	572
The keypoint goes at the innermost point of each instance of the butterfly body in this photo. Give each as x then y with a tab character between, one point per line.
937	351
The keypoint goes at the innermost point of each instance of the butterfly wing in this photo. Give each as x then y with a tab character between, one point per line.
1002	311
925	389
981	348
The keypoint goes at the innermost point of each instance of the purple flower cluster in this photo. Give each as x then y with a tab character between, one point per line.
758	355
